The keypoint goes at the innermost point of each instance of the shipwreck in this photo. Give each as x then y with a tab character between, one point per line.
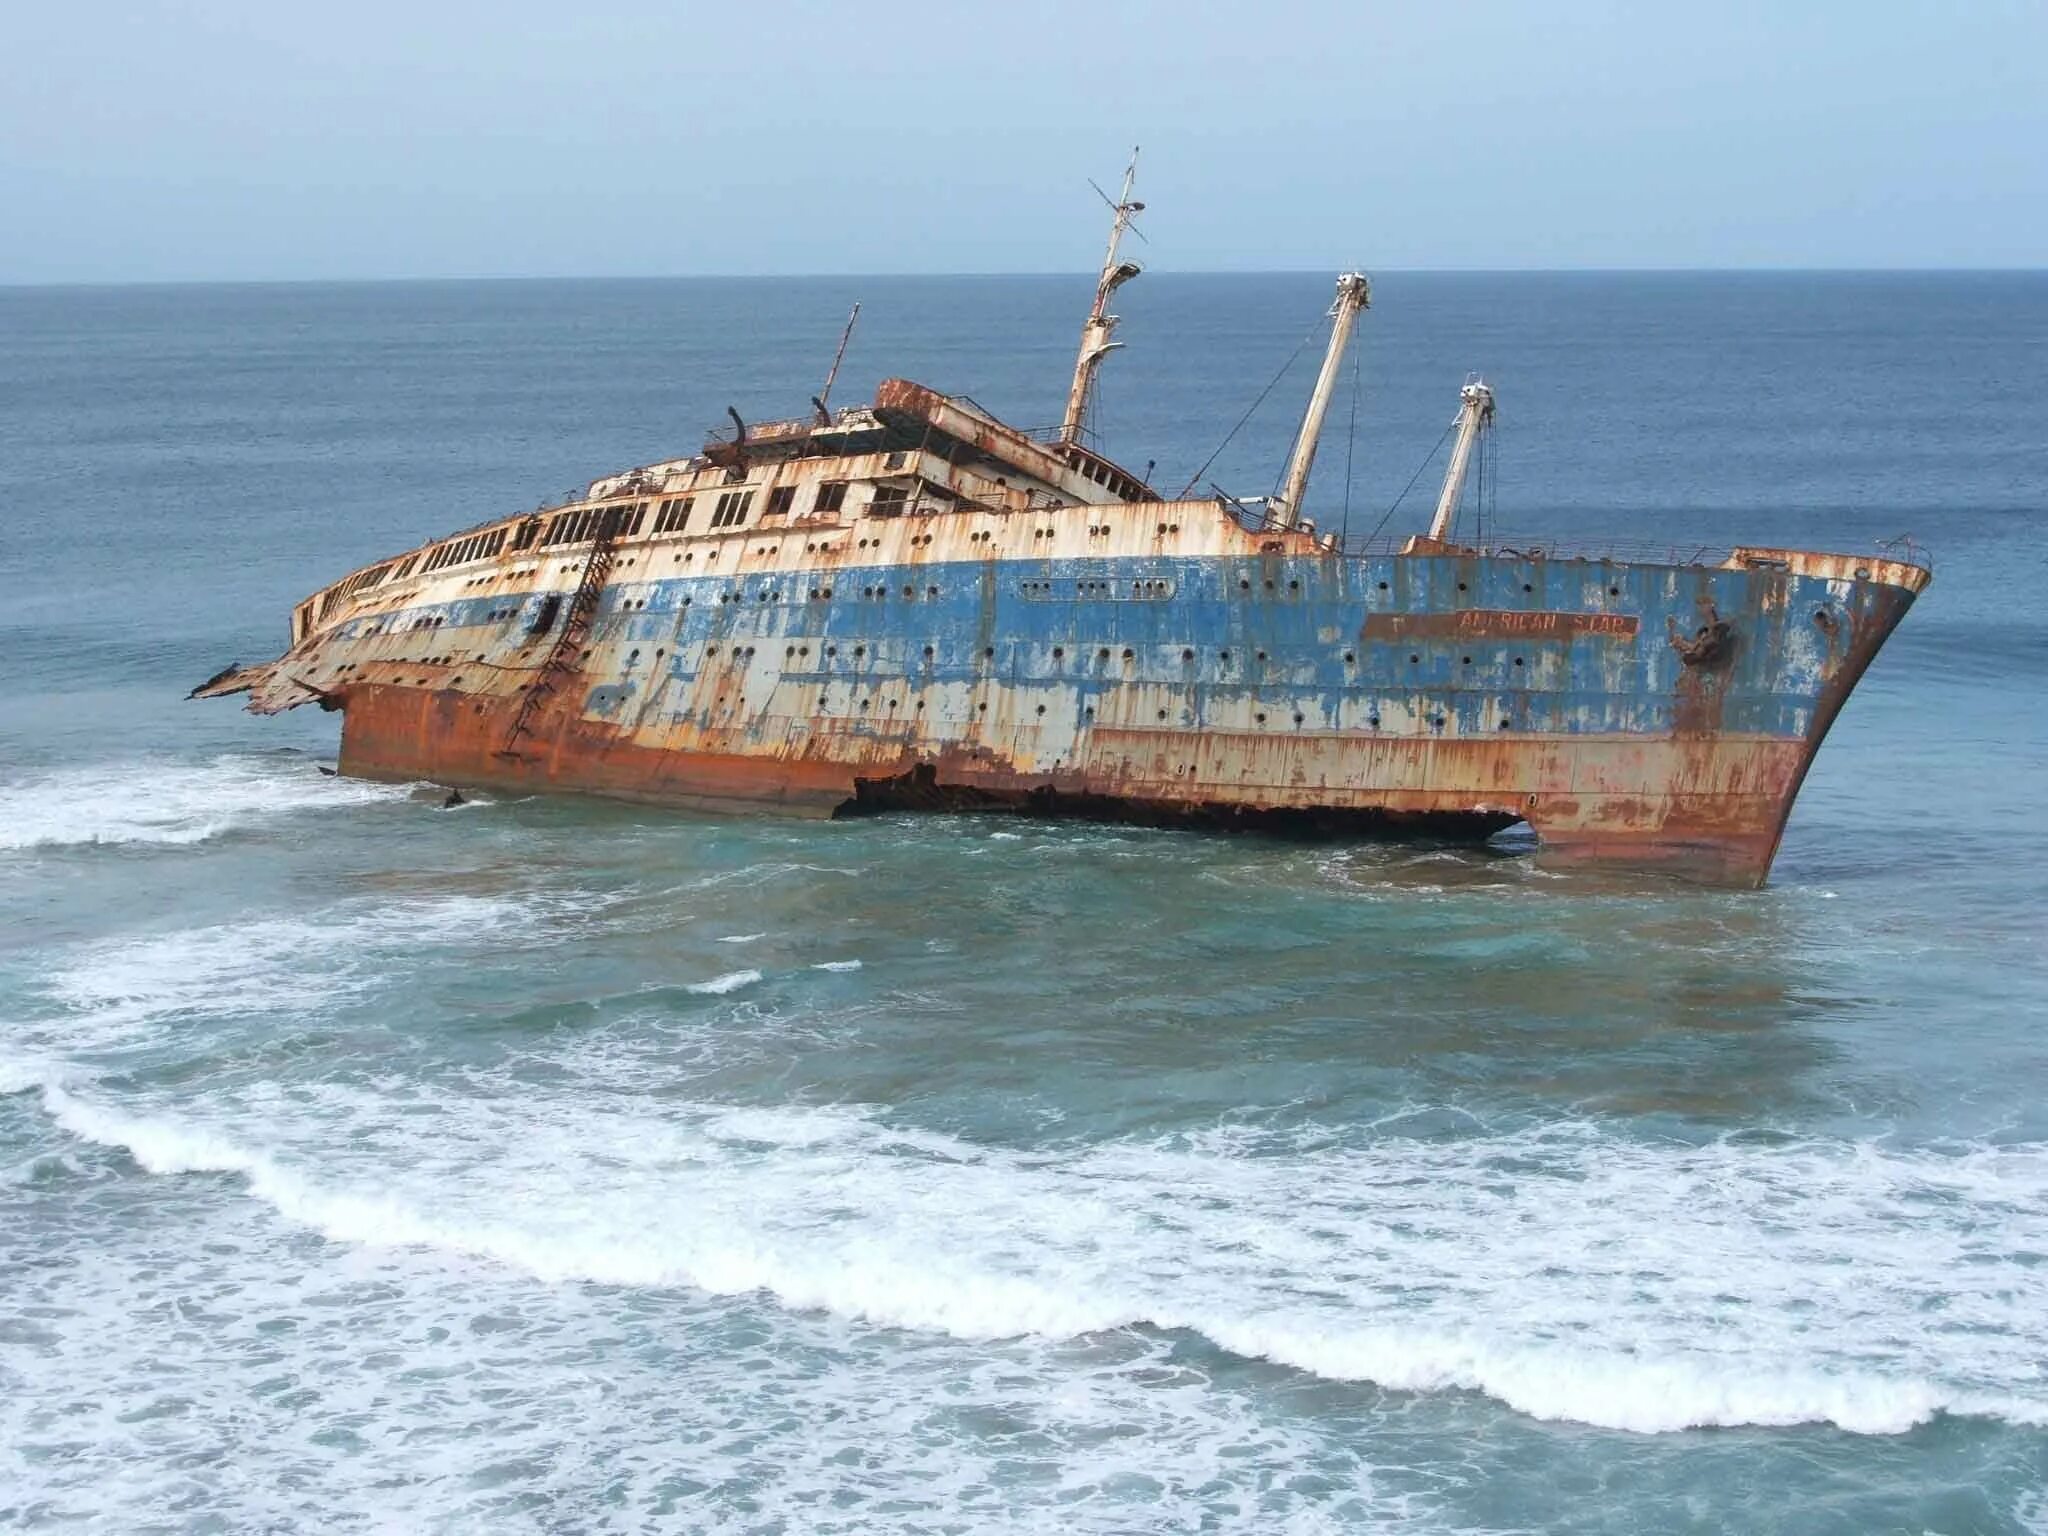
909	604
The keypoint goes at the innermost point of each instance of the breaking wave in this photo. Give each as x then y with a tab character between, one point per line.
1569	1275
169	804
731	981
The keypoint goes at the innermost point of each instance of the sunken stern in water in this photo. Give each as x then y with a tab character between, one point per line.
910	604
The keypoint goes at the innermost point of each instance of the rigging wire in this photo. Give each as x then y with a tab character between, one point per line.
1479	493
1493	480
1419	470
1195	478
1350	443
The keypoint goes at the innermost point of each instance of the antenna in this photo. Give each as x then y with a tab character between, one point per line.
824	395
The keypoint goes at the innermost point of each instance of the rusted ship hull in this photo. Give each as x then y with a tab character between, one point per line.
1632	712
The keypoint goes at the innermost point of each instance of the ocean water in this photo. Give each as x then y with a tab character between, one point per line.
552	1166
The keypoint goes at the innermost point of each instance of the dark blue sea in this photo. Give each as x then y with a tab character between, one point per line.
537	1165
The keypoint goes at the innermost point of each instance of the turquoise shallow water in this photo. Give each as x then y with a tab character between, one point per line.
551	1166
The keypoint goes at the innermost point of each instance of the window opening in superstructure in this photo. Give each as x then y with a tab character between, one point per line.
831	496
888	500
544	615
674	515
731	510
780	500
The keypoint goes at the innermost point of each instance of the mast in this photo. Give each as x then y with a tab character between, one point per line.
1353	294
1475	415
1095	342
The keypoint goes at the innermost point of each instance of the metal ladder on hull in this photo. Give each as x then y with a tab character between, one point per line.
564	656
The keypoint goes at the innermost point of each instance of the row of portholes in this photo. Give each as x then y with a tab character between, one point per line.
1415	659
1436	721
878	593
1169	527
1526	587
1244	584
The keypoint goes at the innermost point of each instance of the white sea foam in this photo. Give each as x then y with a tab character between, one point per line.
731	981
23	1073
119	990
741	938
837	965
1568	1274
167	803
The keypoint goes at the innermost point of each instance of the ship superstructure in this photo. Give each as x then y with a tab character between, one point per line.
909	603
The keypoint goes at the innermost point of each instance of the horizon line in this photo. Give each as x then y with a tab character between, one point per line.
10	284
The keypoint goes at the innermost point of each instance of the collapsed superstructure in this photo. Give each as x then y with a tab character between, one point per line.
909	603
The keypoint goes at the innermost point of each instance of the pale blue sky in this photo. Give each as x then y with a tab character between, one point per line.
546	137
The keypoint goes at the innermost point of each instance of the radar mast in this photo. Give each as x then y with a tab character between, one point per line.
1095	334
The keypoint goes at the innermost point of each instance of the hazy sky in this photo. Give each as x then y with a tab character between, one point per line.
363	138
